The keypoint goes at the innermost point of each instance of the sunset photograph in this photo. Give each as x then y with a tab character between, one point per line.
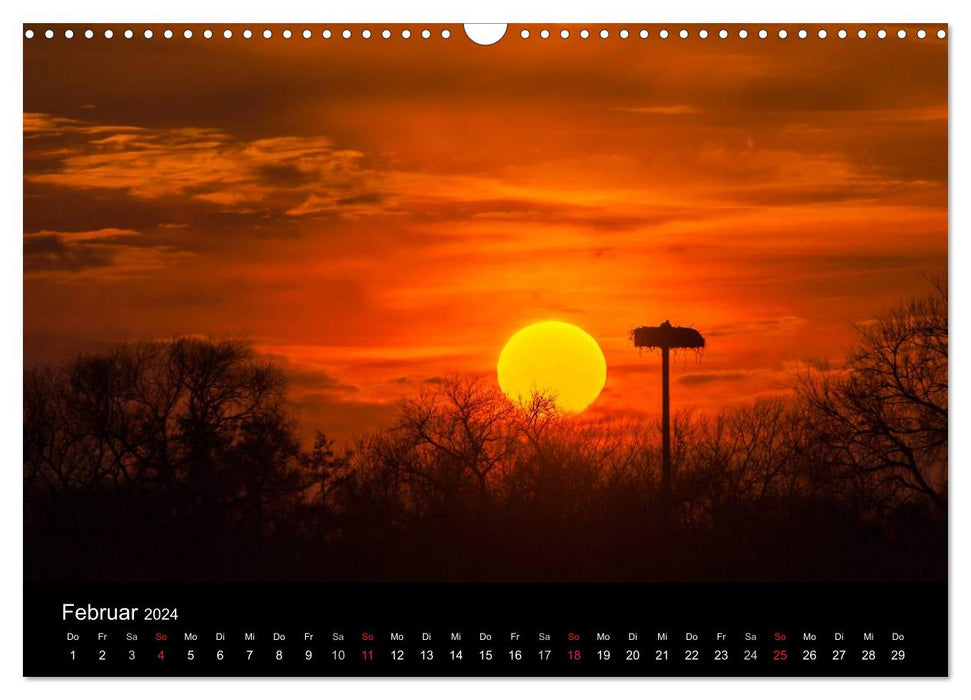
348	307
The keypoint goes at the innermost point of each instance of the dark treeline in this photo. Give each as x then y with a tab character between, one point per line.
180	461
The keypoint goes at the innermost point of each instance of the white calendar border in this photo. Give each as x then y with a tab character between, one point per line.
11	345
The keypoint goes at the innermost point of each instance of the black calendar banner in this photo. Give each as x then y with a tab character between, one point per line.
775	630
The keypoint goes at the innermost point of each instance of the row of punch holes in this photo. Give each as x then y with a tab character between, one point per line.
524	34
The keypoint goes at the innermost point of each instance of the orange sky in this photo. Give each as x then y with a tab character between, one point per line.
377	213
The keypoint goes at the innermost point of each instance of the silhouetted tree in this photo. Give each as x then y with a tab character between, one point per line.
458	433
191	435
885	414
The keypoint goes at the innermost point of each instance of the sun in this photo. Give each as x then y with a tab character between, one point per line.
555	358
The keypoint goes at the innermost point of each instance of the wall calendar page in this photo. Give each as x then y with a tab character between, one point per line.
466	350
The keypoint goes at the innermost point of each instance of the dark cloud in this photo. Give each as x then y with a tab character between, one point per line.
51	252
123	251
342	420
309	379
712	377
364	198
267	176
784	324
283	175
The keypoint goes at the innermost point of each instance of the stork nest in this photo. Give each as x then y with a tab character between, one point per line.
667	336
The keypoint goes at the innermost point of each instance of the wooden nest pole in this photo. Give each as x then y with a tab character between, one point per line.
666	337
